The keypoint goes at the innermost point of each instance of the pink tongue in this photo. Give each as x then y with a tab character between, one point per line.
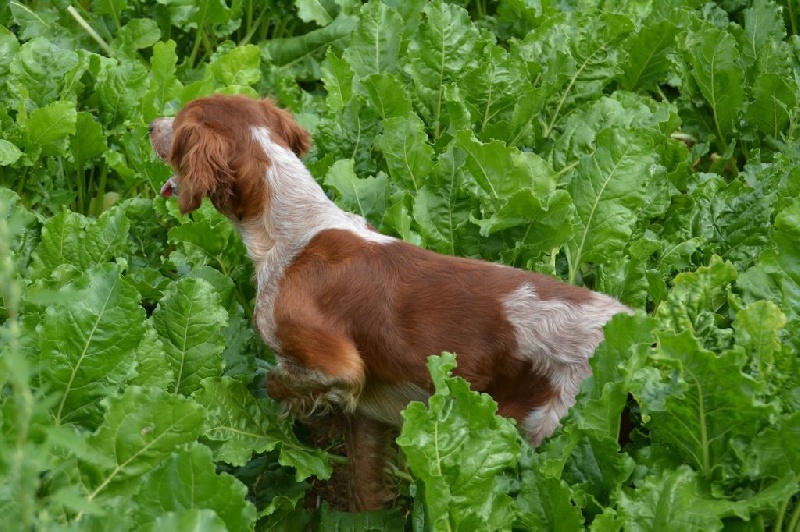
168	188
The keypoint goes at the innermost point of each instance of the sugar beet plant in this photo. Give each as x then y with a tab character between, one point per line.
645	149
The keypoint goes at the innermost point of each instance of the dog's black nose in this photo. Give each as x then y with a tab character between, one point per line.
151	126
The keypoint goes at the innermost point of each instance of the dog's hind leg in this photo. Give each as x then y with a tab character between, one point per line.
367	443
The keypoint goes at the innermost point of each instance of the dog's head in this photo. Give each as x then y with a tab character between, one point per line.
212	148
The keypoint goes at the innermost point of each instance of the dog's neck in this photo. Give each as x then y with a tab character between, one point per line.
297	209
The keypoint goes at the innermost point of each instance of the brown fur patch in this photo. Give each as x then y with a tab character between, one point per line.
399	304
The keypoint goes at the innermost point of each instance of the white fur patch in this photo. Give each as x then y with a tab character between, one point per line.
558	337
297	210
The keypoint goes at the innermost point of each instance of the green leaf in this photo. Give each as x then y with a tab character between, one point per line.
165	86
140	429
189	321
375	520
763	22
209	12
239	67
648	64
188	480
493	89
120	88
758	330
375	45
776	450
22	229
442	208
713	56
702	416
86	342
608	191
320	11
694	300
674	500
39	67
241	425
500	171
49	128
409	157
152	367
386	93
136	35
460	449
110	7
775	91
9	153
337	76
89	140
535	225
193	519
615	364
33	23
364	196
70	238
545	503
299	57
577	59
442	48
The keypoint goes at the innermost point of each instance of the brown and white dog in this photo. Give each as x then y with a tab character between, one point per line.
351	314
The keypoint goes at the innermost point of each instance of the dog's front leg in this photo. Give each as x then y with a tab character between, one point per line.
306	393
367	443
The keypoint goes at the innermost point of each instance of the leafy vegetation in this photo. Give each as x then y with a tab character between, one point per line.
646	149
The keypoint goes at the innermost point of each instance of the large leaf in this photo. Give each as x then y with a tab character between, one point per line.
713	404
493	90
375	45
608	190
189	320
87	341
545	502
363	196
775	90
460	450
48	128
409	157
140	430
648	56
713	56
439	52
70	238
241	425
776	451
673	500
39	68
188	480
442	208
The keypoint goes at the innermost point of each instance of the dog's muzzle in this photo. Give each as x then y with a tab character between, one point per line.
161	137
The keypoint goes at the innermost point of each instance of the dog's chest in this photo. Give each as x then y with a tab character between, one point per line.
264	313
269	274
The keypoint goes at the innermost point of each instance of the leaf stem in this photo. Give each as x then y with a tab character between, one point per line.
196	46
794	523
781	513
101	191
93	34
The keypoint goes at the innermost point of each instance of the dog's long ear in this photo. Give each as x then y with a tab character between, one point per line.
201	156
284	125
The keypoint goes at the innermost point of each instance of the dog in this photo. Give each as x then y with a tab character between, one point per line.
352	314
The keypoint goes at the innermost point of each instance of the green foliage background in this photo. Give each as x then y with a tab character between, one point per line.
646	149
